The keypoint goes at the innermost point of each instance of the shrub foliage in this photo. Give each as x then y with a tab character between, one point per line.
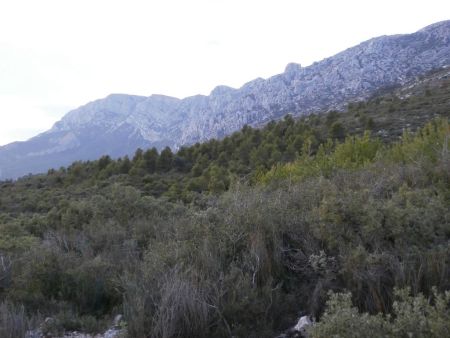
238	237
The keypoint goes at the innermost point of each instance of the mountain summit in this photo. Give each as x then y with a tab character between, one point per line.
118	124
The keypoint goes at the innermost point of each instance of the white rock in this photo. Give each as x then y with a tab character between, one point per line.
302	323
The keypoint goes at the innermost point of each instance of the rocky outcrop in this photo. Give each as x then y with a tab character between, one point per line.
300	330
119	124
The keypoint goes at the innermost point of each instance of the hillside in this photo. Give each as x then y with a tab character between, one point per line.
118	124
213	166
238	237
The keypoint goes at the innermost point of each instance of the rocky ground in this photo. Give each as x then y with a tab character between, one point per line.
116	331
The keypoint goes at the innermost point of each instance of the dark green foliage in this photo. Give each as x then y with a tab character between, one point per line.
150	160
236	237
337	130
165	160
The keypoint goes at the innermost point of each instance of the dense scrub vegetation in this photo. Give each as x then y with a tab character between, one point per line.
238	237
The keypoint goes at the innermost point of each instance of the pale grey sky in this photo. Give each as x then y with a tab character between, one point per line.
56	55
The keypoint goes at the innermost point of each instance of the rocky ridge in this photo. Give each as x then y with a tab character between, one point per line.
118	124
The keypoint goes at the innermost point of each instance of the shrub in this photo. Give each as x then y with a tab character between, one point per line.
413	316
14	321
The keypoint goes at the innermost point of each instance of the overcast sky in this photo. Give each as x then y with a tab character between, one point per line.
56	55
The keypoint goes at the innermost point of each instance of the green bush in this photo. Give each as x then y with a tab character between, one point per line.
413	316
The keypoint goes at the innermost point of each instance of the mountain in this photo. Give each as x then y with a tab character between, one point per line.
118	124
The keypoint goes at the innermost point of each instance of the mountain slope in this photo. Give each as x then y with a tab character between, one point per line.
118	124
